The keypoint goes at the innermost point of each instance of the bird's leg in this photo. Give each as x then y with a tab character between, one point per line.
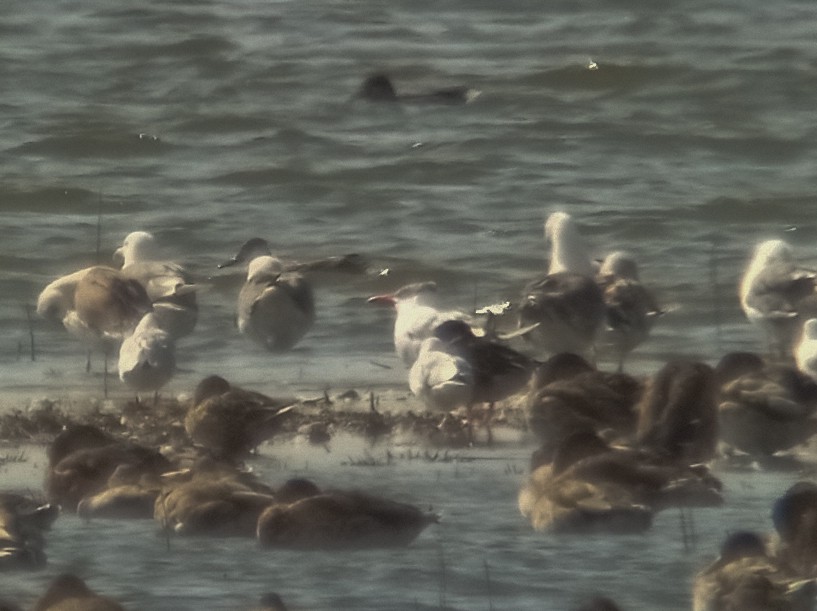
470	414
105	374
488	418
88	361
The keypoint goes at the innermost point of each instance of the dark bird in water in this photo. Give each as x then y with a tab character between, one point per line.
379	88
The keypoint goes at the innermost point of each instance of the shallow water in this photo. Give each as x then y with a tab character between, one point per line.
209	122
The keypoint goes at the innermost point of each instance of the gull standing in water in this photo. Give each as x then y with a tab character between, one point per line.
456	368
167	284
805	353
566	303
772	293
631	309
99	305
417	317
147	358
276	307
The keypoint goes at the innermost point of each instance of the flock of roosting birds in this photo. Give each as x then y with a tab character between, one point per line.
614	449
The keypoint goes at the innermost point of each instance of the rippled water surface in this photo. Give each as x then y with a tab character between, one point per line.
683	133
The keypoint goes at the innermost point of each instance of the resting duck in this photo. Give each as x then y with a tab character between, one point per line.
82	458
70	593
229	421
794	515
568	394
213	498
309	518
746	578
764	409
678	414
23	523
591	486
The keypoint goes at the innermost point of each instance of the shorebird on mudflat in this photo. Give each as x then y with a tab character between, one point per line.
774	294
168	285
276	308
566	302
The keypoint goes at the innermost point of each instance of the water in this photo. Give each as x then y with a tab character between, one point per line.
211	122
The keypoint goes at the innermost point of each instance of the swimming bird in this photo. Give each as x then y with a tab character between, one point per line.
794	515
379	88
764	408
746	578
340	519
417	316
271	601
276	307
599	603
147	357
567	303
631	308
67	592
230	421
168	285
23	524
678	413
772	291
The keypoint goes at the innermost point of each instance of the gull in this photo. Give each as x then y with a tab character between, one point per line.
772	291
631	309
167	284
457	368
417	317
276	307
805	354
99	305
147	357
566	304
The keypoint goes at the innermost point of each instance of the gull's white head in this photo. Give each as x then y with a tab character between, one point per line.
773	251
263	267
137	246
810	328
568	252
619	264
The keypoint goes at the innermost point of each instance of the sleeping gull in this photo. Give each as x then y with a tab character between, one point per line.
275	307
772	291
